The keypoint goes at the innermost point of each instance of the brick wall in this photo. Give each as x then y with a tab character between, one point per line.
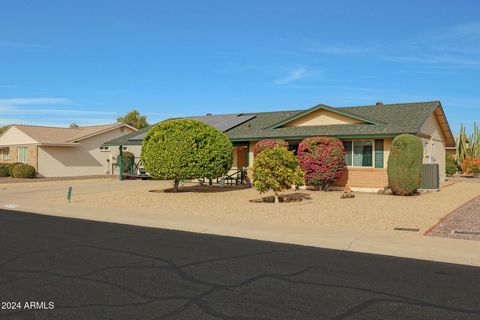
12	154
364	178
33	156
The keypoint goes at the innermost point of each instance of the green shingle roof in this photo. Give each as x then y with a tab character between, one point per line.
386	120
392	119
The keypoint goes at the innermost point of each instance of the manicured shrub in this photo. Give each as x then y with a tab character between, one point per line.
322	159
12	166
186	149
24	171
470	165
4	172
276	169
451	166
405	165
128	160
268	144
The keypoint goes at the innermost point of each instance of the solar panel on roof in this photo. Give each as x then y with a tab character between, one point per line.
222	122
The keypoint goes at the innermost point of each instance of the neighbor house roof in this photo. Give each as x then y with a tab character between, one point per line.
65	136
381	120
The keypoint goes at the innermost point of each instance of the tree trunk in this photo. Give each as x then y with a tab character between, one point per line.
176	182
276	197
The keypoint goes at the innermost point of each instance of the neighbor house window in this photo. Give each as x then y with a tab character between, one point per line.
359	153
4	154
23	154
103	148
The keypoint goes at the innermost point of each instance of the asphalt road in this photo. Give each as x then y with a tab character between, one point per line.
92	270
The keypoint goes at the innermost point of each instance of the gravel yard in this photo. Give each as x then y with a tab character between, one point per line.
463	223
366	211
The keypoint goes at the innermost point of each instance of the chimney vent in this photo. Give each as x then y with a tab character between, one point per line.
380	103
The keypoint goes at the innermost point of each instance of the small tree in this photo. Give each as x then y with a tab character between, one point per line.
322	159
268	144
404	167
186	149
135	119
276	169
73	125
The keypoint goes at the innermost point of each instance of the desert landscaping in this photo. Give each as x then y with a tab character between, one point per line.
367	211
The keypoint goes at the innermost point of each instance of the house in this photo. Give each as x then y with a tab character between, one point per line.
366	132
60	152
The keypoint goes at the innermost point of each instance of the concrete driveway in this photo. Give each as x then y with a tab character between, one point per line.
93	270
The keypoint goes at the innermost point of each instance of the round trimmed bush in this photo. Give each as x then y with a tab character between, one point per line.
24	171
4	172
405	165
12	166
322	159
268	144
184	149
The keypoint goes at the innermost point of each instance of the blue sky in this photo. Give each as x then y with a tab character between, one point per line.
91	61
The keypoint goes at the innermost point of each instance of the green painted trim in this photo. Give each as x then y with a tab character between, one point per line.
379	153
334	110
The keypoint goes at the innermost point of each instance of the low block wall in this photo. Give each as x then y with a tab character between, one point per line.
363	178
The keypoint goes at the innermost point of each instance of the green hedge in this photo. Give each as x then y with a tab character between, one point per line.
4	172
12	166
24	171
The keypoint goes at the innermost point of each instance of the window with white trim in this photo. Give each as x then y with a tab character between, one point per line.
359	153
23	154
4	154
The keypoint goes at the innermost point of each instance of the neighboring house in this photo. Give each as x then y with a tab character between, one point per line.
366	132
61	152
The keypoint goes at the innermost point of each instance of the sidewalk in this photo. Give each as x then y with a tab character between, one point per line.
385	243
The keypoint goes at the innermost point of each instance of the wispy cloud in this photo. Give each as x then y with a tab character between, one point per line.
32	101
35	106
294	75
445	60
336	49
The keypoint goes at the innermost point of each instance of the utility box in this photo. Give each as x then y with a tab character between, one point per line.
430	176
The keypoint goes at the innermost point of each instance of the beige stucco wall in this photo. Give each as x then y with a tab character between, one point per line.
387	146
436	151
322	117
82	160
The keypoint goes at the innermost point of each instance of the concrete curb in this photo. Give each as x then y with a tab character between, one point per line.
384	243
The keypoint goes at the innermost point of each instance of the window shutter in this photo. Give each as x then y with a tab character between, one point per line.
348	152
378	153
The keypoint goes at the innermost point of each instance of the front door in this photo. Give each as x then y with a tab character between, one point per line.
242	156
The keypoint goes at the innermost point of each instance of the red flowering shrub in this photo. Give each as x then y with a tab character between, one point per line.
322	159
268	144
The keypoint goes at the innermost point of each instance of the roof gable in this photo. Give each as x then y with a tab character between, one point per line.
323	115
13	136
56	136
